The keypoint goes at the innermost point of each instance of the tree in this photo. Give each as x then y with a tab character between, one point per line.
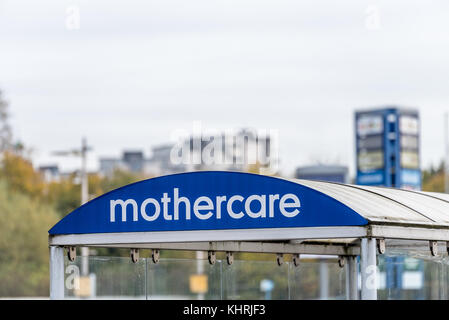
119	178
21	176
5	128
65	195
24	244
433	179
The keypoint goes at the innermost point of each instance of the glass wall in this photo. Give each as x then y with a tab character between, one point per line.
401	275
322	279
105	278
119	278
413	275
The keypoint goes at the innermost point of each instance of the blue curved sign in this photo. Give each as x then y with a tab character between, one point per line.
207	200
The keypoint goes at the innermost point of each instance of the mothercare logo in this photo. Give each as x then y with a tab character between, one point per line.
169	207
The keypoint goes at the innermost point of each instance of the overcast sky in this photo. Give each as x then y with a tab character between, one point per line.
135	71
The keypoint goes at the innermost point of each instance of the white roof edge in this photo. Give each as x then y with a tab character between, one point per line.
388	206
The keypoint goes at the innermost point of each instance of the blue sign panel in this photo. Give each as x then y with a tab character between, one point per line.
207	200
387	148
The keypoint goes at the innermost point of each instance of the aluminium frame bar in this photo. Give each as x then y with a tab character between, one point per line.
253	246
262	234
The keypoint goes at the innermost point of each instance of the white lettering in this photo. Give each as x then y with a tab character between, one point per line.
165	200
204	207
176	202
273	198
218	205
157	209
123	205
262	210
234	215
208	206
283	204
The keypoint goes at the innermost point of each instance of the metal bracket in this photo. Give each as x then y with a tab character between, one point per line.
211	257
134	255
229	257
295	259
280	259
433	247
71	253
155	254
381	246
341	261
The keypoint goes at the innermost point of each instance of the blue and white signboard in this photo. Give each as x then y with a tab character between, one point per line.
387	148
208	200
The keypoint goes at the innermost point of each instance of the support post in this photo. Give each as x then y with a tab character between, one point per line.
324	280
351	278
200	269
56	273
368	264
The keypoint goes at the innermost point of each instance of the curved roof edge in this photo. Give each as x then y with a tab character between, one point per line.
389	206
271	208
208	200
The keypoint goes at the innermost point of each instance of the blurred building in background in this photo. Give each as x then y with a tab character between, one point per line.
239	151
160	164
244	150
50	172
331	173
109	165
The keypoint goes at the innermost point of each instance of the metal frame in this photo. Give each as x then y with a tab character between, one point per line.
347	242
253	246
56	273
352	292
409	232
368	268
269	234
266	234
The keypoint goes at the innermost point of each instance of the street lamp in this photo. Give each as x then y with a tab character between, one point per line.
82	152
446	153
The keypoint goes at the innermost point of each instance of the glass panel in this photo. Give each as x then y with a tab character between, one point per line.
412	276
108	278
255	280
317	279
402	275
184	279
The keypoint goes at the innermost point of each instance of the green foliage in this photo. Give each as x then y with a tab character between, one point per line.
433	179
24	244
21	176
65	196
118	179
5	128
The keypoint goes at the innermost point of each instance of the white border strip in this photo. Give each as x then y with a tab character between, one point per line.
409	233
268	234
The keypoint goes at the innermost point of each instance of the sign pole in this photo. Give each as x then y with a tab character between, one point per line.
84	199
446	154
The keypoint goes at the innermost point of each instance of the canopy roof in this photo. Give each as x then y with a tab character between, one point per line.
217	207
388	205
